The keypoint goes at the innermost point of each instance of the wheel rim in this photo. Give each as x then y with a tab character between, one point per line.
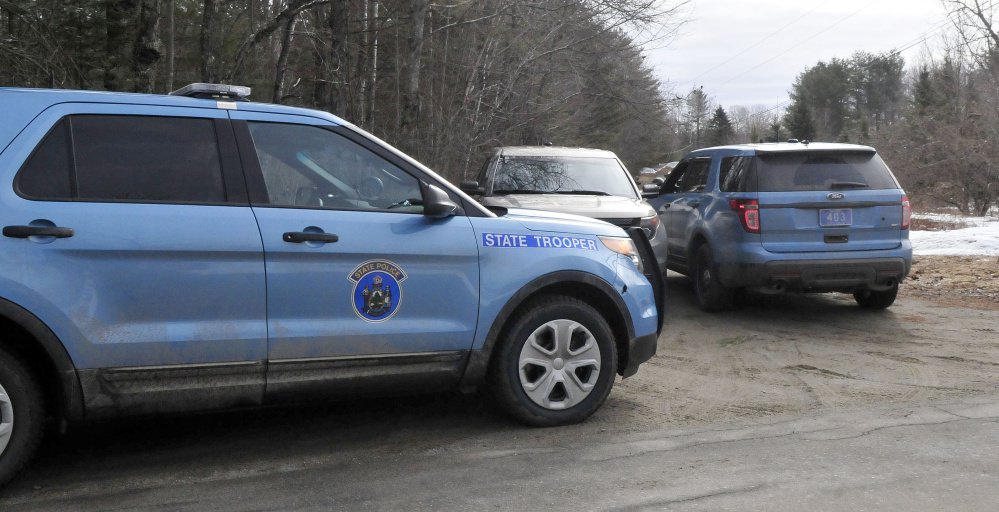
559	364
704	276
6	419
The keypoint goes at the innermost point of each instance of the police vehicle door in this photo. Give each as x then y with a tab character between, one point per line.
360	284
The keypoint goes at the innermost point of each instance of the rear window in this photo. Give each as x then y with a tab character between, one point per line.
840	170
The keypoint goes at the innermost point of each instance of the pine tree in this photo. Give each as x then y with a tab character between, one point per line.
720	131
798	120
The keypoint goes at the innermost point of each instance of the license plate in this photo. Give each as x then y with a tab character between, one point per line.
836	217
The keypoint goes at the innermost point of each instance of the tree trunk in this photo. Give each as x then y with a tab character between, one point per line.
338	58
119	16
287	35
171	47
372	67
148	47
207	42
414	50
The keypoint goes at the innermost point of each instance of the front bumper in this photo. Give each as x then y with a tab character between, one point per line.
640	350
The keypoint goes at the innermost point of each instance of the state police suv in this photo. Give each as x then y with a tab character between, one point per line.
198	251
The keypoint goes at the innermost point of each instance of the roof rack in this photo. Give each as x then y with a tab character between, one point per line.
213	91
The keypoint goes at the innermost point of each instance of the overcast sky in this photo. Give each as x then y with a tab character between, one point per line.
748	52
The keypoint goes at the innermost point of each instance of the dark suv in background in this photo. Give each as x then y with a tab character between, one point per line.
580	181
809	217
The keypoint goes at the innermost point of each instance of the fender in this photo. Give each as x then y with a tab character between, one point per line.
478	360
68	385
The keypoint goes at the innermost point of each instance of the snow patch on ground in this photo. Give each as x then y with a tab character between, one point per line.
981	237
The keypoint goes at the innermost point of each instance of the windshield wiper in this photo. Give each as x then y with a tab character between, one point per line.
518	191
847	184
581	192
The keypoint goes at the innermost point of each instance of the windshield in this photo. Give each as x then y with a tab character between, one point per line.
786	172
562	175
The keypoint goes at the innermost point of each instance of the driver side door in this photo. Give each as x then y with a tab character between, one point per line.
363	290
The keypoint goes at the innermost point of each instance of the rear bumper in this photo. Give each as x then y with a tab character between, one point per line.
818	274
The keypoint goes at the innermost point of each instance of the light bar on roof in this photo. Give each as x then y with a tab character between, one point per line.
213	91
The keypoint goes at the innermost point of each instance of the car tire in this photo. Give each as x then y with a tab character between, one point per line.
874	299
555	363
22	416
710	293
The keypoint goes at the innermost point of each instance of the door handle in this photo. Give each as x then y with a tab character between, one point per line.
26	231
297	237
694	204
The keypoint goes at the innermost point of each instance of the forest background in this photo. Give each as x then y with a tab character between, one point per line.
447	82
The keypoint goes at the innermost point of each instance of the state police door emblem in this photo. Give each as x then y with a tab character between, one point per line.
377	290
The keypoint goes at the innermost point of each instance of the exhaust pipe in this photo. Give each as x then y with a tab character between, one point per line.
888	284
774	288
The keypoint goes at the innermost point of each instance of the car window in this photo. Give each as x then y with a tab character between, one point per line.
309	166
562	175
672	180
734	174
696	177
840	170
46	174
127	158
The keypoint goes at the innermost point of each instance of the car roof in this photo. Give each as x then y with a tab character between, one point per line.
789	147
554	151
48	97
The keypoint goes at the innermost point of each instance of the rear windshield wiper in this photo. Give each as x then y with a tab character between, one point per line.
848	184
581	192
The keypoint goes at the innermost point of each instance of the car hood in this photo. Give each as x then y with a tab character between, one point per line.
539	220
600	207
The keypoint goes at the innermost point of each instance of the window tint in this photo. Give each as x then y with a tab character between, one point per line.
127	158
734	174
672	182
309	166
137	158
696	177
565	175
46	174
780	172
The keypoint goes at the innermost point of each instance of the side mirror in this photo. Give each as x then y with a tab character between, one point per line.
650	190
472	187
437	204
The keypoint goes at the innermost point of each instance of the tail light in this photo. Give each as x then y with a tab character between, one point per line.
906	212
749	213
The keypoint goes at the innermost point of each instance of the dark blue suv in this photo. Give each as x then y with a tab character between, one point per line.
195	251
808	217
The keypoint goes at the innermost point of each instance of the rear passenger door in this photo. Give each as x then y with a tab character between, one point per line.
363	290
137	247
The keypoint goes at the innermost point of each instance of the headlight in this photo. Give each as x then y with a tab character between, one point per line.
624	247
650	225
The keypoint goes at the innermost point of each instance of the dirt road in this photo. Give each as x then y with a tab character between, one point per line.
807	399
793	355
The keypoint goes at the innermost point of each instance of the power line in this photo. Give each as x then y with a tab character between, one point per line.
792	47
757	43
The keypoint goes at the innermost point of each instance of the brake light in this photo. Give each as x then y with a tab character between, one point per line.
906	212
749	213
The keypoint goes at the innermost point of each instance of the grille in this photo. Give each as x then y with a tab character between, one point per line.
625	222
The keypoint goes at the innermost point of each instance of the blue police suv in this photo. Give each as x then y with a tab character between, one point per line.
795	216
197	251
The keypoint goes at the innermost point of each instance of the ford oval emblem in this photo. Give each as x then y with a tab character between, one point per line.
835	195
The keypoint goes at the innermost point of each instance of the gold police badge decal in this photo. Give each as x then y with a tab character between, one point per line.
377	290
